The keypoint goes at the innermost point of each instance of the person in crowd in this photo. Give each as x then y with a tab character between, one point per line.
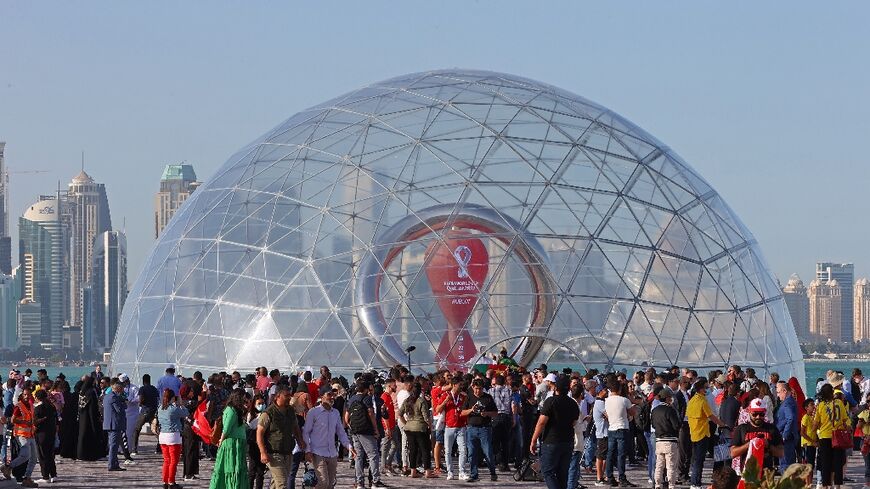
89	445
757	427
189	398
45	422
618	409
69	423
170	416
278	434
131	396
766	397
8	406
97	374
578	395
149	400
666	423
479	408
323	426
360	419
388	442
450	405
114	422
699	414
418	422
863	424
23	431
169	381
599	418
787	423
809	436
831	414
555	431
256	468
230	466
502	423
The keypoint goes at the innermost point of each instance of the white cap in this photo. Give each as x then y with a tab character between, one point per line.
123	378
551	378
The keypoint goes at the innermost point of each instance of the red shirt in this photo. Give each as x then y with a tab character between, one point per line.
390	422
263	384
453	409
313	393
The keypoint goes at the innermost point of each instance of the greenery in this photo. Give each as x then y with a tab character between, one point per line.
795	477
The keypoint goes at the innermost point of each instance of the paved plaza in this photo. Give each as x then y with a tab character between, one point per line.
146	473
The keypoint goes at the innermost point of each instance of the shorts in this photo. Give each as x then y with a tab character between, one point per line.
439	436
601	448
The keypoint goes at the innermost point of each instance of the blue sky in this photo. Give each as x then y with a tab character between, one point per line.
769	101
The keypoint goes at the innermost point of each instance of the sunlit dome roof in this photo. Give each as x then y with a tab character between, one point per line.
314	244
82	177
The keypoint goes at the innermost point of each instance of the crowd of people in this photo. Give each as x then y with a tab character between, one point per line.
576	427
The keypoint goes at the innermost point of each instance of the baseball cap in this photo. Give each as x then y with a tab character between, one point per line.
756	406
551	378
123	378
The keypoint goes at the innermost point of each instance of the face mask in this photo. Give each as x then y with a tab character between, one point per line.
261	407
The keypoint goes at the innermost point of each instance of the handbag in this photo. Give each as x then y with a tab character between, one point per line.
840	438
722	452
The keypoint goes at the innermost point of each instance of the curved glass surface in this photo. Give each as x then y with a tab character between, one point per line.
601	245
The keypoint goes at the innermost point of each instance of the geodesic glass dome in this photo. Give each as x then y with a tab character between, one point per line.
458	212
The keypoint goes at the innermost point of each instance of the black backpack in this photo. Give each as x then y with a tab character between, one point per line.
643	416
358	414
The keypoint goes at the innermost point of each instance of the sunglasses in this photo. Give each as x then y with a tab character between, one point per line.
757	415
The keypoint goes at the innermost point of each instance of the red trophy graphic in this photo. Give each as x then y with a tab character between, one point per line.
456	267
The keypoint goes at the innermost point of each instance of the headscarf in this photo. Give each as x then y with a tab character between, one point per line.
799	396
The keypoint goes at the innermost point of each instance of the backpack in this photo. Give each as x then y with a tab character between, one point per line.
358	414
643	416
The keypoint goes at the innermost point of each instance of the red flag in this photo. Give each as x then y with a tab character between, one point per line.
200	424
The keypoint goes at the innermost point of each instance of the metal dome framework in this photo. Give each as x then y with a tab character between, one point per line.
261	264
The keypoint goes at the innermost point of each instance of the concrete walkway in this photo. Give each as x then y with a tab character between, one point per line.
146	474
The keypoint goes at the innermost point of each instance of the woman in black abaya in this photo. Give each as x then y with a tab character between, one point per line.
90	440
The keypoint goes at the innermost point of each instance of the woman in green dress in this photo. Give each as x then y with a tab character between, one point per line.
230	466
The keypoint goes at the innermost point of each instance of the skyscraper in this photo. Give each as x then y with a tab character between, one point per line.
862	310
826	306
795	295
9	298
88	210
109	288
176	185
844	274
44	261
5	239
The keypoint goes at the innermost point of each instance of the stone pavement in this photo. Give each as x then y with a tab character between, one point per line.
146	474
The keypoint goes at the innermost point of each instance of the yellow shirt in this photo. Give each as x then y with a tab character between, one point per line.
698	411
812	438
865	417
830	416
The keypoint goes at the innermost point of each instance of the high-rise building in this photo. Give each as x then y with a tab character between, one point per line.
109	288
44	260
9	297
30	324
844	274
795	295
826	307
176	185
88	210
5	239
862	310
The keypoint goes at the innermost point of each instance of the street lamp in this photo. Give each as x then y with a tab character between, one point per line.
409	350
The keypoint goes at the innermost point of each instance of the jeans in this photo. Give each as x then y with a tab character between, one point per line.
366	446
555	460
651	453
295	462
616	445
45	450
589	450
574	469
480	435
458	435
699	451
27	455
146	415
388	450
501	430
114	447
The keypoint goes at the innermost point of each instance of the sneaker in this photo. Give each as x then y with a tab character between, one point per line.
694	487
472	479
52	479
613	482
600	483
493	477
626	483
378	483
133	454
41	481
450	477
463	477
129	461
7	471
650	482
28	482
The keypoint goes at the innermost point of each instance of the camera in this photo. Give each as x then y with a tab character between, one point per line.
477	408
